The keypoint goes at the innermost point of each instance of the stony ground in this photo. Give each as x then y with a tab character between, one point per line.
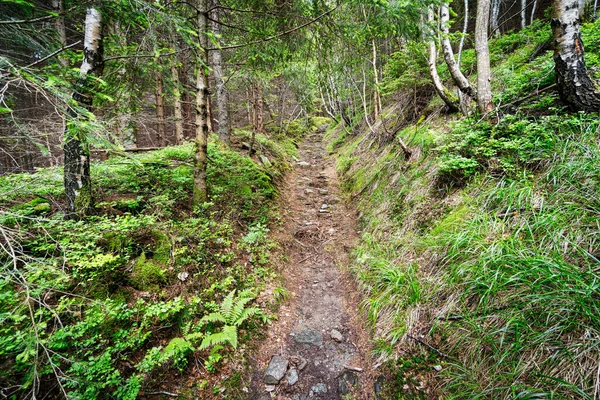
317	348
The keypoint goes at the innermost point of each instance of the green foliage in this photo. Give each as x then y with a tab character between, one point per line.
231	314
103	326
515	144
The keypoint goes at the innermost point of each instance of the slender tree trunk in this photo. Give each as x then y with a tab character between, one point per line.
187	98
59	24
160	111
464	33
258	113
459	79
494	17
177	107
533	7
484	89
440	89
221	94
200	193
78	185
523	14
376	95
574	85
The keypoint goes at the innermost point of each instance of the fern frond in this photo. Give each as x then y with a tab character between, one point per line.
227	305
245	314
238	308
227	335
231	333
214	317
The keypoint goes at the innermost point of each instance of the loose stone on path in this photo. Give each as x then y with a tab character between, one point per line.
276	370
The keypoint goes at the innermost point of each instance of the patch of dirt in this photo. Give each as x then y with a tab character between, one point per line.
318	235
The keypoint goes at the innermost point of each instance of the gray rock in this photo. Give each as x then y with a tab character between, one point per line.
323	191
302	164
266	162
292	376
438	368
318	388
308	336
346	381
379	384
276	370
308	191
336	335
270	388
301	396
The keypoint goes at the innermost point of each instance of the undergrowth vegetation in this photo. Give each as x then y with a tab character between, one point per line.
483	250
147	290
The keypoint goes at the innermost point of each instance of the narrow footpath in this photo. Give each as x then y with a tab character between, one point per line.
318	348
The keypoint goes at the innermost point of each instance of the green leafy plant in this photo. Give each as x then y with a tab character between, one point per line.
231	314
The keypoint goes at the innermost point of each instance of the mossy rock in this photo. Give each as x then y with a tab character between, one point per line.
148	274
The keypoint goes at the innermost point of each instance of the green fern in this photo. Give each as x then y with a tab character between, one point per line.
232	313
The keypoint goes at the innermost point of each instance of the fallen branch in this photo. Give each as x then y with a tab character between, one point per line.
439	352
536	93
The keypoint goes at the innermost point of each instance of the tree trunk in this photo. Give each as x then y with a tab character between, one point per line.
495	17
258	113
440	89
160	111
523	14
177	107
59	24
78	185
464	33
459	79
533	7
376	95
574	85
484	89
221	94
187	98
200	192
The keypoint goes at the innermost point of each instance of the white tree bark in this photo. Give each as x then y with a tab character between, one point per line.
459	79
495	16
177	106
574	85
440	89
523	14
200	192
77	181
484	89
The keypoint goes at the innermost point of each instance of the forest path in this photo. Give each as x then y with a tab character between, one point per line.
318	341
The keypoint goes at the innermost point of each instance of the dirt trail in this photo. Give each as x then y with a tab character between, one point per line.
318	337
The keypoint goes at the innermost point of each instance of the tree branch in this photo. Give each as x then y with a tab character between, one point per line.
34	20
41	60
269	38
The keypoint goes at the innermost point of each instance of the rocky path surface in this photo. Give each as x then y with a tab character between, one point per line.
317	349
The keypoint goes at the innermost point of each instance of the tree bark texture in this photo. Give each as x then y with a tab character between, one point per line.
59	24
459	79
78	185
575	87
200	191
484	88
221	94
160	110
440	89
177	106
494	19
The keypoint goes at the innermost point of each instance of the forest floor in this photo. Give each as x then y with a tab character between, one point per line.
318	341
